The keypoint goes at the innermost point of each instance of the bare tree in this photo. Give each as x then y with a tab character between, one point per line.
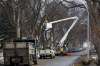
60	11
23	14
94	6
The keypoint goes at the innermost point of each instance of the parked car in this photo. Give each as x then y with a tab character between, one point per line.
47	53
75	50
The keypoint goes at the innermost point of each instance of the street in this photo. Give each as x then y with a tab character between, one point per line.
58	61
61	61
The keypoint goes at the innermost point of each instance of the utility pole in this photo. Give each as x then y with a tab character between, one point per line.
88	30
18	30
18	23
88	33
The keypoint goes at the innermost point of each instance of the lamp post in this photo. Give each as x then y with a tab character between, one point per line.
88	29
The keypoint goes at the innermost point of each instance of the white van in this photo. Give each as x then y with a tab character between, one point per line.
45	53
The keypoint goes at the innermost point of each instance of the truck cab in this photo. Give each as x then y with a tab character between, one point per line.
20	52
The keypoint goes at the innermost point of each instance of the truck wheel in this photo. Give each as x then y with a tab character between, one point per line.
35	62
41	57
51	57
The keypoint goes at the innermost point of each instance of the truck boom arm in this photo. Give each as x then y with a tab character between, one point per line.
75	18
67	32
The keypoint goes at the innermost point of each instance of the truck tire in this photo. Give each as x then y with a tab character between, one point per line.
52	56
41	57
35	62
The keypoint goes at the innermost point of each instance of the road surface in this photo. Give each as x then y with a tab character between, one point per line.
58	61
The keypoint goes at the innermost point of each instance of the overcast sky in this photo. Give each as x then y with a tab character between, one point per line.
77	1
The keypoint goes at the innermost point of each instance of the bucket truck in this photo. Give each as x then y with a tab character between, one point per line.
60	44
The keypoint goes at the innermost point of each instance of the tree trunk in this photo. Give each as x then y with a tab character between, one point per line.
95	29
